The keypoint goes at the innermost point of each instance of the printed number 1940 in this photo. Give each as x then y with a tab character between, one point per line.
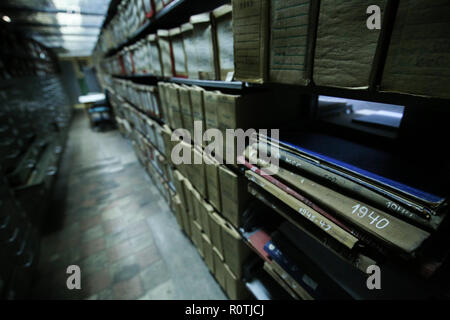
362	212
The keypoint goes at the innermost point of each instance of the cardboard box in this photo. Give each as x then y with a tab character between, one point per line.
186	109
219	268
194	200
212	181
187	31
197	237
291	40
345	47
205	211
198	174
174	107
155	55
224	39
251	39
177	206
204	45
163	96
179	53
210	106
166	52
215	224
418	59
234	195
208	253
190	205
198	112
234	249
235	288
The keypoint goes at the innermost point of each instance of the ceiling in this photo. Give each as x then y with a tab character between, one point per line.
71	27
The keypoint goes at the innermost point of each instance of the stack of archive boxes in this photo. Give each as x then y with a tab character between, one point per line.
212	196
199	49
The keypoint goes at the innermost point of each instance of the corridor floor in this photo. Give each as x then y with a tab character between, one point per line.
109	219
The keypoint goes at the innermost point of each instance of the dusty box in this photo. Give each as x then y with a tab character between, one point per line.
251	111
212	181
181	148
224	39
164	134
194	201
179	186
235	288
345	47
219	268
186	109
234	249
166	52
177	206
174	107
204	46
198	112
163	96
190	204
205	211
418	60
233	190
291	40
197	237
215	224
210	106
251	39
179	53
198	174
187	31
155	55
208	252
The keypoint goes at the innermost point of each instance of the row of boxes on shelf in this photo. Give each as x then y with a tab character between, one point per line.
218	242
199	49
298	42
209	199
131	15
342	45
184	106
143	96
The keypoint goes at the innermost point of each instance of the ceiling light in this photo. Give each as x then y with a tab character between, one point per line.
6	19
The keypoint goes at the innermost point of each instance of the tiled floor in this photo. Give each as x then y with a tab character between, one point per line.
109	219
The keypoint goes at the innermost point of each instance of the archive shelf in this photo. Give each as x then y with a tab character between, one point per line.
169	16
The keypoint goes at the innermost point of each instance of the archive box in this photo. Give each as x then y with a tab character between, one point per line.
345	47
197	237
224	39
219	268
235	288
187	30
179	53
418	60
292	26
155	54
212	181
204	46
215	223
208	252
234	249
251	40
166	52
186	109
198	111
234	195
